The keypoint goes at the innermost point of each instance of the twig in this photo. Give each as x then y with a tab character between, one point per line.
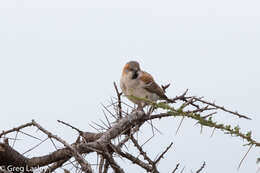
133	159
67	124
141	150
119	101
144	154
164	87
175	169
16	129
205	122
222	108
201	168
181	97
163	153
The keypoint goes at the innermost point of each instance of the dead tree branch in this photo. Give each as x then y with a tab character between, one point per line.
111	139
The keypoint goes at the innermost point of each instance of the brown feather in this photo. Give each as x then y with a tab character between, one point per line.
152	86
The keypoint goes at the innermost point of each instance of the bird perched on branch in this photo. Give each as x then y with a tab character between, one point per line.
138	83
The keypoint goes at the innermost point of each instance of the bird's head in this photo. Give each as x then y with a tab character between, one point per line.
132	68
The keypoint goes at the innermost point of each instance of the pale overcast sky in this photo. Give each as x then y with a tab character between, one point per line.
59	58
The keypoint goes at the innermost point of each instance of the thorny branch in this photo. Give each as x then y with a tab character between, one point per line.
84	165
108	143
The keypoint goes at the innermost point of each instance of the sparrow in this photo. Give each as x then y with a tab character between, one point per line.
138	83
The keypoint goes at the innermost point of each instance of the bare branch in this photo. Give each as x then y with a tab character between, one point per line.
84	165
126	124
74	128
16	129
112	162
133	159
141	150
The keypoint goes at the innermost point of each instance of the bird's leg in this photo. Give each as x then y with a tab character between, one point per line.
140	107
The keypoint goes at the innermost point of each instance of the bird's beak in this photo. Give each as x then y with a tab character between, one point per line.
135	74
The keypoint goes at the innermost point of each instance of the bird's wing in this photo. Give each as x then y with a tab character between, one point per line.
151	85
